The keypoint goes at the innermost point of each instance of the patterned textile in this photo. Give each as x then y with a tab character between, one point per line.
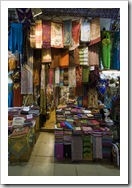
87	148
94	77
77	148
95	31
57	76
97	147
38	33
83	56
61	76
55	57
85	74
57	35
71	58
79	86
51	77
67	32
46	55
17	96
66	77
27	75
85	102
85	31
20	131
42	92
32	36
46	33
75	34
76	56
10	94
11	63
94	55
92	98
72	76
64	58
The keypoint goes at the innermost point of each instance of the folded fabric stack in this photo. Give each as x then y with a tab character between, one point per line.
67	136
83	56
58	136
77	131
76	148
87	130
107	147
87	148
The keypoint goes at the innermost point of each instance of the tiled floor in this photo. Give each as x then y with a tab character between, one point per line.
42	163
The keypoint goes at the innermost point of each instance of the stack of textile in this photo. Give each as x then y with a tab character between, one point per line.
59	149
83	56
76	148
77	131
67	136
107	146
87	148
87	130
58	136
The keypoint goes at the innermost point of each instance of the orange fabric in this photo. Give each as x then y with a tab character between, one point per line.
64	58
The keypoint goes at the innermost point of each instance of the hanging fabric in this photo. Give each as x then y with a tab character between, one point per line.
16	38
46	33
55	57
83	56
51	77
32	36
67	32
79	86
85	31
97	147
92	98
71	58
57	35
94	55
46	55
27	75
57	76
38	33
95	36
85	74
42	91
76	56
17	96
66	77
64	57
61	76
75	34
72	76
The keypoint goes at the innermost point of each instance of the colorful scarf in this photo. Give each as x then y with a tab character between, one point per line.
27	75
61	77
66	77
55	57
85	31
64	58
92	98
38	33
72	76
32	36
51	77
83	56
93	55
75	34
67	32
76	56
95	31
46	33
57	35
46	55
79	86
85	74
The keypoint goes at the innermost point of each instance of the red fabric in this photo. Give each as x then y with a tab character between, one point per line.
46	33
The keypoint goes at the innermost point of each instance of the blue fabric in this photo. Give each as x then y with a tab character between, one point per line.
10	95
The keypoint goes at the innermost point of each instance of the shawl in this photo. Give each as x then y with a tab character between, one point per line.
79	86
93	55
75	34
71	58
57	76
61	76
32	36
76	56
72	76
38	33
85	31
42	91
67	32
46	33
95	31
57	35
83	56
51	77
92	98
64	58
66	77
46	55
97	147
55	57
17	96
85	74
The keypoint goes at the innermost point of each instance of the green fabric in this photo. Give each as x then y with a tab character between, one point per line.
85	74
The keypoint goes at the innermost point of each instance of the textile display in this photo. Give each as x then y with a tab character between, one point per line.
76	56
85	31
72	76
85	74
94	55
11	63
38	33
95	31
107	146
79	86
51	77
94	77
57	38
71	58
57	76
27	75
17	96
83	56
55	57
42	91
46	33
67	32
87	148
76	148
64	58
92	98
32	36
10	94
61	76
37	59
97	147
66	79
46	55
116	51
36	77
106	49
16	38
75	34
85	101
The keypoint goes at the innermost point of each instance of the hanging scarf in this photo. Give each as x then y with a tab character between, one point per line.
38	33
93	55
75	34
46	55
85	31
61	77
71	58
66	77
57	35
55	57
95	31
92	98
97	147
57	76
67	32
72	76
79	86
83	56
46	33
76	56
32	36
51	77
64	58
85	74
17	96
42	91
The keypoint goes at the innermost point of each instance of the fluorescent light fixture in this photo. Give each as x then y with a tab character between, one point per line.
37	14
36	11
